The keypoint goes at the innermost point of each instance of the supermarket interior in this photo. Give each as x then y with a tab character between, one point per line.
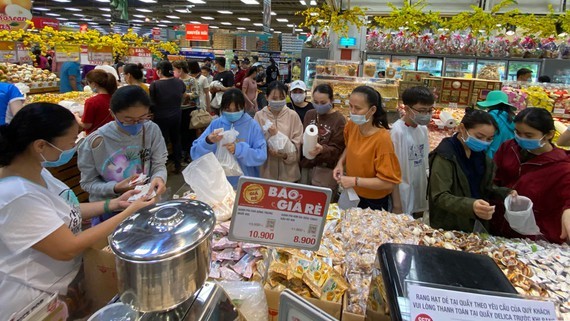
291	160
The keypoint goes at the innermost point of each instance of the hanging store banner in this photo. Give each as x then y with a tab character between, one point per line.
42	22
120	11
197	32
8	52
13	15
266	16
100	55
67	53
140	56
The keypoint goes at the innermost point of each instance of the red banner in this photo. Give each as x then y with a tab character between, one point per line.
42	22
197	32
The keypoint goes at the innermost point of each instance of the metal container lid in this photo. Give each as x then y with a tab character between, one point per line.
163	230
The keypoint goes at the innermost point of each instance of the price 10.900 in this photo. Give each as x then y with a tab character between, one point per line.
261	235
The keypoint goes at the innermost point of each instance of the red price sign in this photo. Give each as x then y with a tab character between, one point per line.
279	214
197	32
140	55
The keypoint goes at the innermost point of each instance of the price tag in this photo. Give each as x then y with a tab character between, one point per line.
282	214
452	105
67	53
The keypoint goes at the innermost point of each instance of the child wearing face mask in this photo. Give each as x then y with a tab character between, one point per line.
461	176
410	137
281	165
330	145
540	171
298	96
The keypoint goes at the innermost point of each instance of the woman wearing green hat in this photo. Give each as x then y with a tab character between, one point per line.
497	104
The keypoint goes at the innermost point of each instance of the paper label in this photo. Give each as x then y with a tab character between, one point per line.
142	56
432	304
275	213
67	53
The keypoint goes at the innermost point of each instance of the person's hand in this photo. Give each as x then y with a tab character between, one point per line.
140	203
122	202
346	181
125	185
231	147
338	171
514	194
214	137
272	130
277	154
397	209
316	151
157	185
483	209
565	235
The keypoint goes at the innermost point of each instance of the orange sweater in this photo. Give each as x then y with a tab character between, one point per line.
371	156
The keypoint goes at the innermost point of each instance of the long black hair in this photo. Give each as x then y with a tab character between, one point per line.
165	68
475	117
135	70
35	121
373	98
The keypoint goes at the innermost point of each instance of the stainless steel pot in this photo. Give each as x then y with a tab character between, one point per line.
163	254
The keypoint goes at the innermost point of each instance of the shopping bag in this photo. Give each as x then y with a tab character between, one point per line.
206	178
228	160
348	199
200	118
216	101
519	214
278	141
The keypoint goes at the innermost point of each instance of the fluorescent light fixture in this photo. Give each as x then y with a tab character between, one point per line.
277	32
299	30
78	15
93	23
314	14
138	16
73	9
143	10
106	15
225	12
313	3
197	1
303	2
161	25
196	22
173	17
250	1
290	25
213	27
273	13
244	19
226	23
103	1
137	20
148	1
108	20
271	29
165	21
282	20
257	24
62	19
182	10
207	18
52	14
240	28
40	9
251	31
105	9
62	1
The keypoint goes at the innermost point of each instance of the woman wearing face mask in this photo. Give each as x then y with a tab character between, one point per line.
538	170
369	160
249	89
281	165
330	144
298	95
249	149
40	217
461	176
133	75
120	151
96	110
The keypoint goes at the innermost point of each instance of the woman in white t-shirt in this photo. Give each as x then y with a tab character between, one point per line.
40	217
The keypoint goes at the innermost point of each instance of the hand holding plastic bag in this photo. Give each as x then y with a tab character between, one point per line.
227	159
519	214
248	297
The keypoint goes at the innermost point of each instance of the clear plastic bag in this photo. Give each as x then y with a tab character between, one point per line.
206	178
519	214
348	199
249	298
227	160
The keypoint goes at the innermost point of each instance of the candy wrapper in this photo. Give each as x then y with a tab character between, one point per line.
517	97
538	97
549	47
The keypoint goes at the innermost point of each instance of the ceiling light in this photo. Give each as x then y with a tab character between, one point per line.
243	19
271	29
313	3
290	25
148	1
250	1
240	28
282	20
299	30
52	14
226	23
78	15
62	19
196	1
320	21
139	16
108	20
143	10
314	14
105	9
40	9
173	17
73	9
161	25
207	18
106	15
137	20
213	27
257	24
196	22
251	31
225	12
62	0
165	21
276	31
104	1
93	23
182	10
273	13
303	2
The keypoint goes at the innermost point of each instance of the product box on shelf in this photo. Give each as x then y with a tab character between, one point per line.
482	87
100	274
456	90
332	308
348	316
415	76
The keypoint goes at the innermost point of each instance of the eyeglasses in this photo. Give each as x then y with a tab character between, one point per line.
133	121
430	111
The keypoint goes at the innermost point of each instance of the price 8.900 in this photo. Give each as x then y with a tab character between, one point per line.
261	235
305	240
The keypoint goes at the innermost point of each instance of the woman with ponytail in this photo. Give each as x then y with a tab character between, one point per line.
96	112
40	217
368	163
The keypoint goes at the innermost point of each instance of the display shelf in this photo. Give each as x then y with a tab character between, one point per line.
43	90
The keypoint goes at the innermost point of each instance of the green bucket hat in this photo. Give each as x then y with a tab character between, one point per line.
494	98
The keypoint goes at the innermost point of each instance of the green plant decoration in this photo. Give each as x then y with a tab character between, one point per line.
338	22
411	16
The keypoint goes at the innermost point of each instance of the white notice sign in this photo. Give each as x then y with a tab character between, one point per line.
432	304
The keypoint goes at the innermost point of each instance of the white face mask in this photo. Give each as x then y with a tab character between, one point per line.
298	98
277	105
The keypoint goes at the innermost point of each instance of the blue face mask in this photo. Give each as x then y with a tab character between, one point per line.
232	66
528	143
64	157
232	117
358	119
131	129
475	144
322	109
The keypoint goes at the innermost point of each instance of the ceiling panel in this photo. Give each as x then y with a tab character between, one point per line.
531	6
